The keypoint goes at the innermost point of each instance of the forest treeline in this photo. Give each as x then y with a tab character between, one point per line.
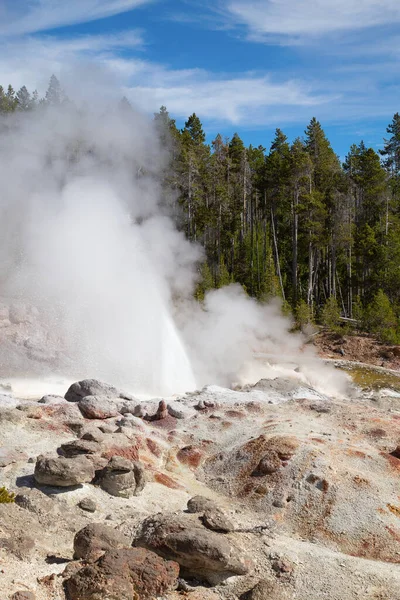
290	221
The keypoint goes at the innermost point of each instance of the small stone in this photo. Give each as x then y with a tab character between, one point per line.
215	520
174	412
278	503
266	590
107	428
282	567
320	407
199	504
122	477
93	435
79	447
139	411
52	399
132	422
269	464
162	412
128	408
88	505
23	595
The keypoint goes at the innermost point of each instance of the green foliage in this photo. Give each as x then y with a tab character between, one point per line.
330	314
6	497
358	310
206	282
289	221
303	315
224	278
380	318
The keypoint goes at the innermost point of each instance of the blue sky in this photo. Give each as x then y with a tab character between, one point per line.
242	65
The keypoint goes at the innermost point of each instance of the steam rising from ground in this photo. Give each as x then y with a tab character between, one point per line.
86	240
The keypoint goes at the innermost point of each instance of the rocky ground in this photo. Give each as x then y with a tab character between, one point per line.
274	491
359	348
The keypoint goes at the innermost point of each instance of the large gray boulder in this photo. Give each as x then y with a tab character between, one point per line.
201	553
93	387
122	477
63	472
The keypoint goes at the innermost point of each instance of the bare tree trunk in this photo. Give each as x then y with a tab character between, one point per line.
295	231
278	266
310	273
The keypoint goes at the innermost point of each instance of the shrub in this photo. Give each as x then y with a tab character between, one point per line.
380	318
6	497
303	315
330	315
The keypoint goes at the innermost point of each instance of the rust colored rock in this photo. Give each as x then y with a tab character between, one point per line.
285	446
270	463
282	567
93	540
190	455
162	412
167	481
126	574
129	452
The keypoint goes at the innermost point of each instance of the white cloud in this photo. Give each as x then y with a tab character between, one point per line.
237	99
19	17
31	60
302	19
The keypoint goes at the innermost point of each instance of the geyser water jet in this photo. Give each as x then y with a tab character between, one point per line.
94	252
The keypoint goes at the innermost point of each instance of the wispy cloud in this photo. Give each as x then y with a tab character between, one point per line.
19	17
305	20
231	98
241	100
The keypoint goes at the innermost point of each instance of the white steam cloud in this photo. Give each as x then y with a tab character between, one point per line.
86	241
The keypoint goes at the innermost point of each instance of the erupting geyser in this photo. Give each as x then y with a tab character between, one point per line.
86	241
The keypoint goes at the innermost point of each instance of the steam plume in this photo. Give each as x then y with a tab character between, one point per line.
85	240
